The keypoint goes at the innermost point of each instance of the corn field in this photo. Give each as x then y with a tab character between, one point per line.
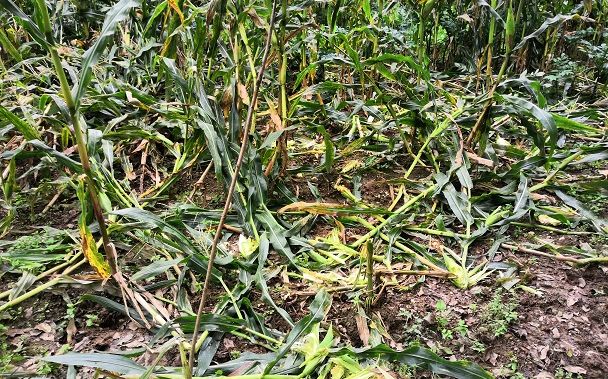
251	187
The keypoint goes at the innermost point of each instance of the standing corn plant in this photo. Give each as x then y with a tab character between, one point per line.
41	31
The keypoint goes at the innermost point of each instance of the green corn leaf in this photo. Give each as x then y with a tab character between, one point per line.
155	268
367	10
7	45
158	10
510	25
25	281
523	194
276	235
174	237
176	76
559	19
261	281
565	123
9	184
388	58
525	107
109	362
212	322
153	221
600	185
47	150
458	204
600	224
114	306
28	131
318	309
330	151
119	12
418	356
492	11
334	16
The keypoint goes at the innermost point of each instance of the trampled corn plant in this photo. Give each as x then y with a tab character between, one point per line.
299	354
343	94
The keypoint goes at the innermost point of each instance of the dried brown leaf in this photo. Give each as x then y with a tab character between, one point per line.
363	329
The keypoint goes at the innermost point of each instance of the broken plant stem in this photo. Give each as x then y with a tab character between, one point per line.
401	209
252	376
399	245
562	258
40	288
47	272
443	233
239	162
433	273
369	270
349	196
551	229
560	167
435	133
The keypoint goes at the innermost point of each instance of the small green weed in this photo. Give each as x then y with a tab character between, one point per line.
462	328
91	320
478	346
513	365
561	374
442	314
447	334
8	354
5	357
235	354
45	368
32	252
405	371
498	314
413	328
70	312
596	202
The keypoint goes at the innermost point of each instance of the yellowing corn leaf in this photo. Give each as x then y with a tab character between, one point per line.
175	7
274	115
89	249
321	278
548	220
332	237
88	245
351	165
314	208
563	211
337	372
247	246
